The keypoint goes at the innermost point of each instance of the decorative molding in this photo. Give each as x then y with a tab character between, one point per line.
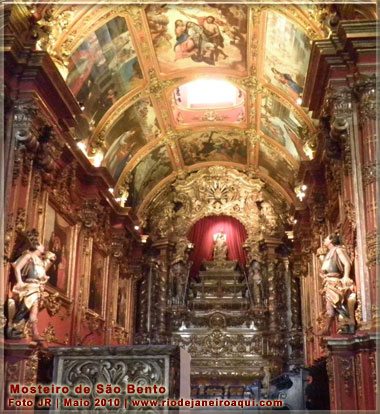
373	243
346	371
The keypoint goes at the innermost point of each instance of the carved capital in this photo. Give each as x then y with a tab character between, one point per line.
88	213
25	112
365	91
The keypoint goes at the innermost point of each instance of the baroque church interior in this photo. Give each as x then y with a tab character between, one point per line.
190	199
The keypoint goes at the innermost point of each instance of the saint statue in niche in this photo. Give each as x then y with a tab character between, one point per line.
220	247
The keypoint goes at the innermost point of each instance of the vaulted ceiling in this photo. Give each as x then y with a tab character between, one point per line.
127	66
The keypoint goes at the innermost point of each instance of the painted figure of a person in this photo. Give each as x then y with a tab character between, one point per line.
286	79
338	287
220	247
185	45
30	272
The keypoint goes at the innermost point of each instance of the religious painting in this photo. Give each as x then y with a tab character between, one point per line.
57	239
97	279
103	69
122	296
280	124
274	164
214	146
148	173
199	36
136	127
286	56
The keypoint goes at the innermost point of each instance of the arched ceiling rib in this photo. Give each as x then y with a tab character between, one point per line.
124	62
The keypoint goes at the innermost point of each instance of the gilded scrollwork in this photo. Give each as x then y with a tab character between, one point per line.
52	303
213	191
31	367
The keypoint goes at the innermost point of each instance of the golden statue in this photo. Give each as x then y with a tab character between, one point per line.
30	272
220	247
338	288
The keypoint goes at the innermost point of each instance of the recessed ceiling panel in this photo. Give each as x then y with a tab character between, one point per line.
199	36
214	146
280	124
208	101
137	126
102	69
287	52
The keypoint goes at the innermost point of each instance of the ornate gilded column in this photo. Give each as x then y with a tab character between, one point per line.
152	292
295	323
165	248
276	300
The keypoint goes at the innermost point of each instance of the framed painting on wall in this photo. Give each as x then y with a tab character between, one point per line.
58	238
122	300
97	294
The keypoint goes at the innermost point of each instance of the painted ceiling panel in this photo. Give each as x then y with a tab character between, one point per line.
280	124
274	164
148	173
133	60
199	36
103	69
137	126
214	146
287	52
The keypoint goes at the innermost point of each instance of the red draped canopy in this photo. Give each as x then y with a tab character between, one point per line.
202	236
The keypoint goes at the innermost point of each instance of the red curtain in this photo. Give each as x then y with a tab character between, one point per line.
202	236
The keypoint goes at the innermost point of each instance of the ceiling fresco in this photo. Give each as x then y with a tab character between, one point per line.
214	146
136	127
102	69
148	173
128	65
275	165
198	37
286	56
279	123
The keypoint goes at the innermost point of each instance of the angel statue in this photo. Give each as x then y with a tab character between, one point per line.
338	288
27	294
